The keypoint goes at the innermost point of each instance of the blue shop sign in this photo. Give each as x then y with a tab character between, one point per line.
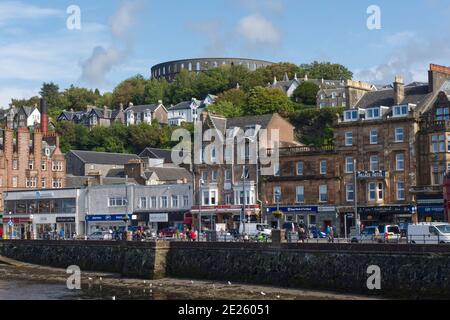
293	209
439	209
111	217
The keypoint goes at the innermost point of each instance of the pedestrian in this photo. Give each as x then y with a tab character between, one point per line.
193	236
301	234
332	234
188	235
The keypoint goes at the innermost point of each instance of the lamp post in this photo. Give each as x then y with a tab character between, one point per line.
10	224
277	199
357	220
200	184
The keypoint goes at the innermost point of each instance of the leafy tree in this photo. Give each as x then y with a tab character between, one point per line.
156	90
50	92
106	100
226	109
306	93
33	101
212	81
78	98
236	96
182	89
325	70
130	90
144	135
67	133
265	101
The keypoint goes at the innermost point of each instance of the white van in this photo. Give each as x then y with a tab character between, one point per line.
253	229
429	233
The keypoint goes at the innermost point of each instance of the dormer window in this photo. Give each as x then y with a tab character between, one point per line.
400	111
442	114
373	113
351	115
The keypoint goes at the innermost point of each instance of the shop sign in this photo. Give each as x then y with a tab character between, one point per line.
327	209
65	220
294	209
430	209
372	174
161	217
385	209
112	218
44	219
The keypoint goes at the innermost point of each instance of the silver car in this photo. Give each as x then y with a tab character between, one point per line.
100	235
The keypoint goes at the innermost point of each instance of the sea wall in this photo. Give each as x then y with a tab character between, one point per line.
413	271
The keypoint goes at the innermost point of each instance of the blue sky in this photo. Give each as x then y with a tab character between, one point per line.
119	39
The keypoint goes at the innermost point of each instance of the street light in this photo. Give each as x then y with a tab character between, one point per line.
277	199
200	184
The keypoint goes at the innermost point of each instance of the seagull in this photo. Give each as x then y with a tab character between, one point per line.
263	293
151	285
278	297
114	298
229	283
101	279
192	282
145	281
160	284
129	292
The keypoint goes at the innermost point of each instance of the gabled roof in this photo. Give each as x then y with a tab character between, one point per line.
104	157
385	97
143	108
27	110
242	122
155	153
169	174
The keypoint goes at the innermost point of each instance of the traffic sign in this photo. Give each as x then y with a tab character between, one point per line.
11	224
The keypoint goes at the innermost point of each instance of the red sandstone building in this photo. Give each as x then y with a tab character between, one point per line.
29	160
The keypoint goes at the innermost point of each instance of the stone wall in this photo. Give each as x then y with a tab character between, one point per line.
407	271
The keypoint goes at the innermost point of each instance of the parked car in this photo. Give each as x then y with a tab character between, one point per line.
370	233
389	233
429	233
100	235
253	229
317	233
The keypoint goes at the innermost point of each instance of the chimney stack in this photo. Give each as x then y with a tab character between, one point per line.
399	90
44	116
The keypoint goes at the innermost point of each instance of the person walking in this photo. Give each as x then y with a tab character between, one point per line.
301	234
328	233
331	234
193	236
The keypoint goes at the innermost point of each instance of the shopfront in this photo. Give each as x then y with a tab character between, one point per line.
230	215
311	216
113	222
17	228
370	216
430	208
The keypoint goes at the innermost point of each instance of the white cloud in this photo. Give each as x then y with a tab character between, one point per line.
7	93
17	10
104	58
258	31
400	38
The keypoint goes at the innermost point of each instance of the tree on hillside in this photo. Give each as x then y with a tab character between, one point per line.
236	96
78	98
226	109
306	93
265	100
182	89
33	101
212	81
156	90
50	92
131	90
325	70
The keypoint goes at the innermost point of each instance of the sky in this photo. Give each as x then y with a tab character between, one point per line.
40	41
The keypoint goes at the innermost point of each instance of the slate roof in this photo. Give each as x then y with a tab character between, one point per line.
28	110
143	108
76	182
104	157
169	174
242	122
385	97
185	105
155	153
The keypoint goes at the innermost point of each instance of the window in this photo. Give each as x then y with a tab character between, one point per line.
205	176
372	191
400	191
349	165
185	201
117	202
43	183
14	182
374	136
351	115
57	166
31	164
400	162
213	198
227	175
376	191
400	111
57	183
441	143
374	163
350	192
323	167
164	202
373	113
228	199
213	155
143	203
31	182
399	135
174	201
300	194
438	174
277	194
323	193
333	95
442	114
276	169
15	164
153	202
44	165
349	139
215	175
206	198
299	168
